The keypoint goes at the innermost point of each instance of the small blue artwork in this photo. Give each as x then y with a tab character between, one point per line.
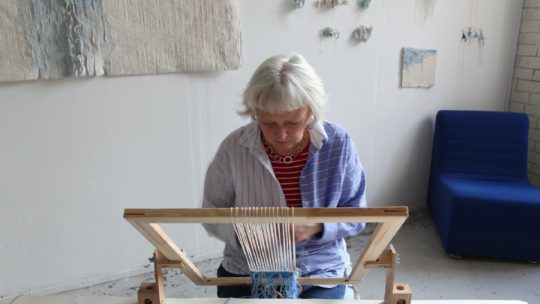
418	68
364	3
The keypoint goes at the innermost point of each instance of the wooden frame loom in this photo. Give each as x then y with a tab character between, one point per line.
378	253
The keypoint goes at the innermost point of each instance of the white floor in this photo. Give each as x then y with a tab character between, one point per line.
430	273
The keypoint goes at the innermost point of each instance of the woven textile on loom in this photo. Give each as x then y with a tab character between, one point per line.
267	239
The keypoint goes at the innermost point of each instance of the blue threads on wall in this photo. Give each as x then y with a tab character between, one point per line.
471	34
472	40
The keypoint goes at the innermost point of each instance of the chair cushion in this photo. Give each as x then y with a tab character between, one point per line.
491	218
486	191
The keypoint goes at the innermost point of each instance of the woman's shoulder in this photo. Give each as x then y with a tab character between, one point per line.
239	136
335	131
235	134
243	131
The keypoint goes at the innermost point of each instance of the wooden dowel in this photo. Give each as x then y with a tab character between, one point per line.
232	281
301	215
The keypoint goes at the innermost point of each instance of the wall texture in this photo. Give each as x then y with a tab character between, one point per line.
75	152
525	96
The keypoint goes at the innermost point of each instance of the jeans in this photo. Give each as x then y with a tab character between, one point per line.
244	291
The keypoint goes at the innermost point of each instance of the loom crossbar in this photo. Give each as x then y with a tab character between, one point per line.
301	215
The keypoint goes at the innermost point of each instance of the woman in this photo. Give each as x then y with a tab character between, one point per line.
288	156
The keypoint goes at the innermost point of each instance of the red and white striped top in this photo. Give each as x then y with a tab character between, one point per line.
288	175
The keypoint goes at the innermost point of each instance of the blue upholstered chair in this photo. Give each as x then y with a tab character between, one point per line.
480	197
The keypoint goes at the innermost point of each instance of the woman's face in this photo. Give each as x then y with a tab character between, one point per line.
284	131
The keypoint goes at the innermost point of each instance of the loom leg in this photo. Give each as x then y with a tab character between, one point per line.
395	293
153	293
401	294
147	294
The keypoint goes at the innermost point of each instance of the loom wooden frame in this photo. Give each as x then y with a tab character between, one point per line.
388	219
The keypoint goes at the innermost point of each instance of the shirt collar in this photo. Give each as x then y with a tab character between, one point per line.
317	134
251	138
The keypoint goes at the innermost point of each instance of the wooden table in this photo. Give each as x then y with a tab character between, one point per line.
31	299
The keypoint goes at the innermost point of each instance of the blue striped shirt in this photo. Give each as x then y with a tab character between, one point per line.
241	175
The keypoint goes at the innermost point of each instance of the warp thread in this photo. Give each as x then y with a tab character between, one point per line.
266	237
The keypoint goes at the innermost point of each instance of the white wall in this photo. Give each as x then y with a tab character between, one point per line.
75	153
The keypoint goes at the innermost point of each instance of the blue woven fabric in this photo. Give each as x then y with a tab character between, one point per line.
480	197
275	285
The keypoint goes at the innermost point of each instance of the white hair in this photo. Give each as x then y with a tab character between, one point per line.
284	83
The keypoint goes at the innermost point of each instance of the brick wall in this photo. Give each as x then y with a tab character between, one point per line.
525	97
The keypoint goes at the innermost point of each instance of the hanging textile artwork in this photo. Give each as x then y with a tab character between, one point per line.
418	68
55	39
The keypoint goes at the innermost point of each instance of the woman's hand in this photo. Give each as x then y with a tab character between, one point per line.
303	232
